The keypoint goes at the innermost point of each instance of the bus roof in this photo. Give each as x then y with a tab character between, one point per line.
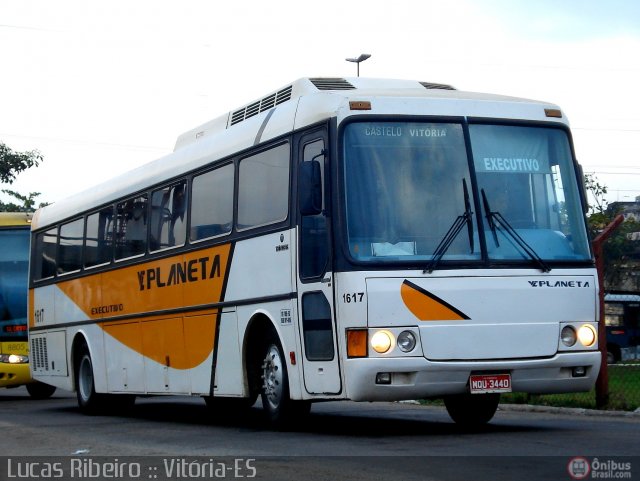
627	297
15	218
303	102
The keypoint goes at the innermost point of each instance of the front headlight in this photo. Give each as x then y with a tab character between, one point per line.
587	335
578	336
406	341
382	341
568	336
14	358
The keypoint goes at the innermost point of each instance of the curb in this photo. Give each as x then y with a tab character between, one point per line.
573	411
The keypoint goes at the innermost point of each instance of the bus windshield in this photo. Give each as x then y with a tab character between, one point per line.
14	257
409	193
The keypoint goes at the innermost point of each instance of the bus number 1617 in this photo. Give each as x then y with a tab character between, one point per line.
355	297
39	316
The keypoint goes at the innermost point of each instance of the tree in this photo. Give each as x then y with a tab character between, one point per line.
27	202
620	249
11	164
598	218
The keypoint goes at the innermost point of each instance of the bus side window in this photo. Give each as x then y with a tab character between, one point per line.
263	188
131	227
70	249
168	219
45	254
632	315
613	314
212	203
99	238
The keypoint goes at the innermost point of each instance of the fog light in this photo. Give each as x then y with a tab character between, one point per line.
381	341
580	371
383	378
568	336
587	335
406	341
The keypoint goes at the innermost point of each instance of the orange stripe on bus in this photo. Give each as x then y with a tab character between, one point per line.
31	314
190	279
182	281
177	342
426	306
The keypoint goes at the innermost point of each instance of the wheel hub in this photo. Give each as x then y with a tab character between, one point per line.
272	377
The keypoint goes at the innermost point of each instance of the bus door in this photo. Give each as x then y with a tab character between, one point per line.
321	369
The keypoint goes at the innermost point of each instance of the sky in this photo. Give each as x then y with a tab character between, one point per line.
100	87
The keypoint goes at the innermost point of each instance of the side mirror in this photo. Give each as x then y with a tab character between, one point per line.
310	188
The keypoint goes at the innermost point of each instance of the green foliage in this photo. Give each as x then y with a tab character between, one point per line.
624	393
598	217
597	191
27	202
619	248
11	164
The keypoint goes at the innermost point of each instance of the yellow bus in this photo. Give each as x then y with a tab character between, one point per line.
14	266
339	238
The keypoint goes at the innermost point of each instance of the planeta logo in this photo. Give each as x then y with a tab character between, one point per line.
559	283
180	273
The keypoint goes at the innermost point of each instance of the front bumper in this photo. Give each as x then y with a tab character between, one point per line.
14	374
418	378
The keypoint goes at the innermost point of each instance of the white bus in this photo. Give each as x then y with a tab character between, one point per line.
361	239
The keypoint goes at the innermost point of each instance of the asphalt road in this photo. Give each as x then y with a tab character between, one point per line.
339	441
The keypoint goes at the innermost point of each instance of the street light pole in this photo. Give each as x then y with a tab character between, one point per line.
361	58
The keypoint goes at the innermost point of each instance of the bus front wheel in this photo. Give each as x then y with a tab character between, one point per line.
280	409
472	410
40	390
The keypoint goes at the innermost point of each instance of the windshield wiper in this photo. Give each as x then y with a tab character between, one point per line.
453	232
497	221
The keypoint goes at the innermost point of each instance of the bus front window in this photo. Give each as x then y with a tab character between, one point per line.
526	176
13	284
410	198
404	188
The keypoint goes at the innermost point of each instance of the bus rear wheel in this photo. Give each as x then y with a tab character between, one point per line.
89	401
85	388
472	410
40	390
280	409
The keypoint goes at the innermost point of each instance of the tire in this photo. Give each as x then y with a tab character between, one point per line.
472	410
280	409
40	390
89	401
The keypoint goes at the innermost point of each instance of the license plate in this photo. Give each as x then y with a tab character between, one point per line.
489	383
